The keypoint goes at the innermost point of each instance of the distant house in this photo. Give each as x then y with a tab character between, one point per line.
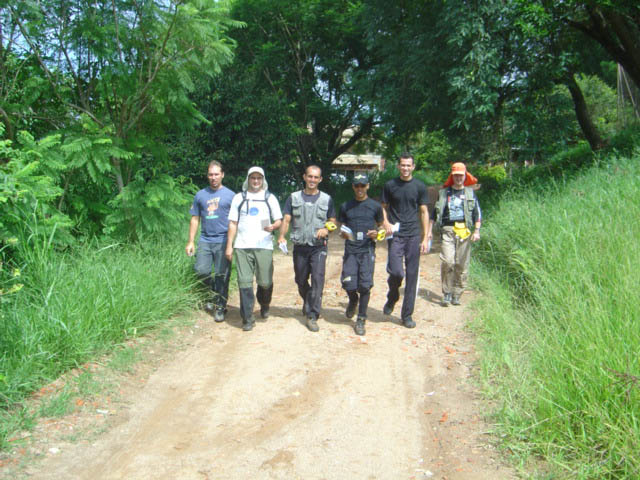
359	162
350	162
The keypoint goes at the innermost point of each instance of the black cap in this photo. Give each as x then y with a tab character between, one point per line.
360	179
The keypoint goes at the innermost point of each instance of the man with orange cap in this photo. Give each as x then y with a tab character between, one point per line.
457	213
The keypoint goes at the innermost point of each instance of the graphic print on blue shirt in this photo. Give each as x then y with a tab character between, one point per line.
212	207
456	208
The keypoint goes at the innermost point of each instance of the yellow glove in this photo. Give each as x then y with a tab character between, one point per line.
382	234
461	230
330	226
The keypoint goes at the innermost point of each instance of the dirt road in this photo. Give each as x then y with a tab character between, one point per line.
281	402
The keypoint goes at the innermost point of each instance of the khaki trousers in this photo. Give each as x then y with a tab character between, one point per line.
455	255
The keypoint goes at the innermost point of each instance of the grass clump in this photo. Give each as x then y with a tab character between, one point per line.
78	304
561	326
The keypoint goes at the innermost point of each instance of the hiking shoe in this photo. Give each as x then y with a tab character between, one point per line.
388	308
455	300
446	300
247	325
312	323
408	322
218	316
359	328
351	309
264	311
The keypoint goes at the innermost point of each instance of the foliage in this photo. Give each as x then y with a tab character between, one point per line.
149	207
28	189
558	322
120	73
310	57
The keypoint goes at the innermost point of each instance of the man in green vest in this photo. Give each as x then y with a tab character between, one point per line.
459	217
307	211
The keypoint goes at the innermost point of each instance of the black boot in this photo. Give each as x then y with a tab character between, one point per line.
359	328
353	304
264	295
246	308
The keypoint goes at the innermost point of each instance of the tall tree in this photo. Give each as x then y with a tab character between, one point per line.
310	55
615	25
122	70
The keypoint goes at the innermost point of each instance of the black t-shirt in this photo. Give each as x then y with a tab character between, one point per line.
403	200
331	212
360	217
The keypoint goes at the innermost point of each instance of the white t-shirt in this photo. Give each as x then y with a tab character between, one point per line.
254	216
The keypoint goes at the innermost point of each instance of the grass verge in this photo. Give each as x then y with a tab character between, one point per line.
76	305
559	325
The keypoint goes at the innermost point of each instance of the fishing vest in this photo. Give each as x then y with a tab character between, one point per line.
307	218
468	205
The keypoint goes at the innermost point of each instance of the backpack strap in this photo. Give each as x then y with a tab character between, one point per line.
267	194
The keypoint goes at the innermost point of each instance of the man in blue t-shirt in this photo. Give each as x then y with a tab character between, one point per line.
404	202
210	211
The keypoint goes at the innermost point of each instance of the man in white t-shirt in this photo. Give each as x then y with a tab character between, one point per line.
253	216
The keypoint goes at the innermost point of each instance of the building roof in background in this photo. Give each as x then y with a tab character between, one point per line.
351	161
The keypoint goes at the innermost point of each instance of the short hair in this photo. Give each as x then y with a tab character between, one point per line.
215	163
313	166
406	155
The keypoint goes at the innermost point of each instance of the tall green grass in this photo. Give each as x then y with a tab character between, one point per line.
560	325
77	304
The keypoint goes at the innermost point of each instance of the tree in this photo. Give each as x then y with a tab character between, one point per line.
311	57
122	70
614	25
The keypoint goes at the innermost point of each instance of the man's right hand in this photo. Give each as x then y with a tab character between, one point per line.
189	249
388	228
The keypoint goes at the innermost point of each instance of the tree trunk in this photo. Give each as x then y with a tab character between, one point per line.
582	113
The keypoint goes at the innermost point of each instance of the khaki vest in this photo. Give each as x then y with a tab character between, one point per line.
468	206
307	218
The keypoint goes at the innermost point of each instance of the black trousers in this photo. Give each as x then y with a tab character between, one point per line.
403	262
310	263
357	278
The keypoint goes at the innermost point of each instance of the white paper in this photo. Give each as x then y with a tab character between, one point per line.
394	228
347	230
283	247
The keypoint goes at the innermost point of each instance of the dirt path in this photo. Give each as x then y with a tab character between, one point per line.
283	403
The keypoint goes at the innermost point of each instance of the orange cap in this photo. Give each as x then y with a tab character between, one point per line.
458	168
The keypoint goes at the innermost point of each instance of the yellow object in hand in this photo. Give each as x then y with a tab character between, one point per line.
382	234
461	230
330	226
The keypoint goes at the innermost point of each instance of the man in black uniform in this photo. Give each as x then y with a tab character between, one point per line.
362	216
307	212
402	198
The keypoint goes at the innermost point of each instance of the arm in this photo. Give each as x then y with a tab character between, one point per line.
385	219
193	229
274	226
323	232
477	217
231	236
284	228
426	229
